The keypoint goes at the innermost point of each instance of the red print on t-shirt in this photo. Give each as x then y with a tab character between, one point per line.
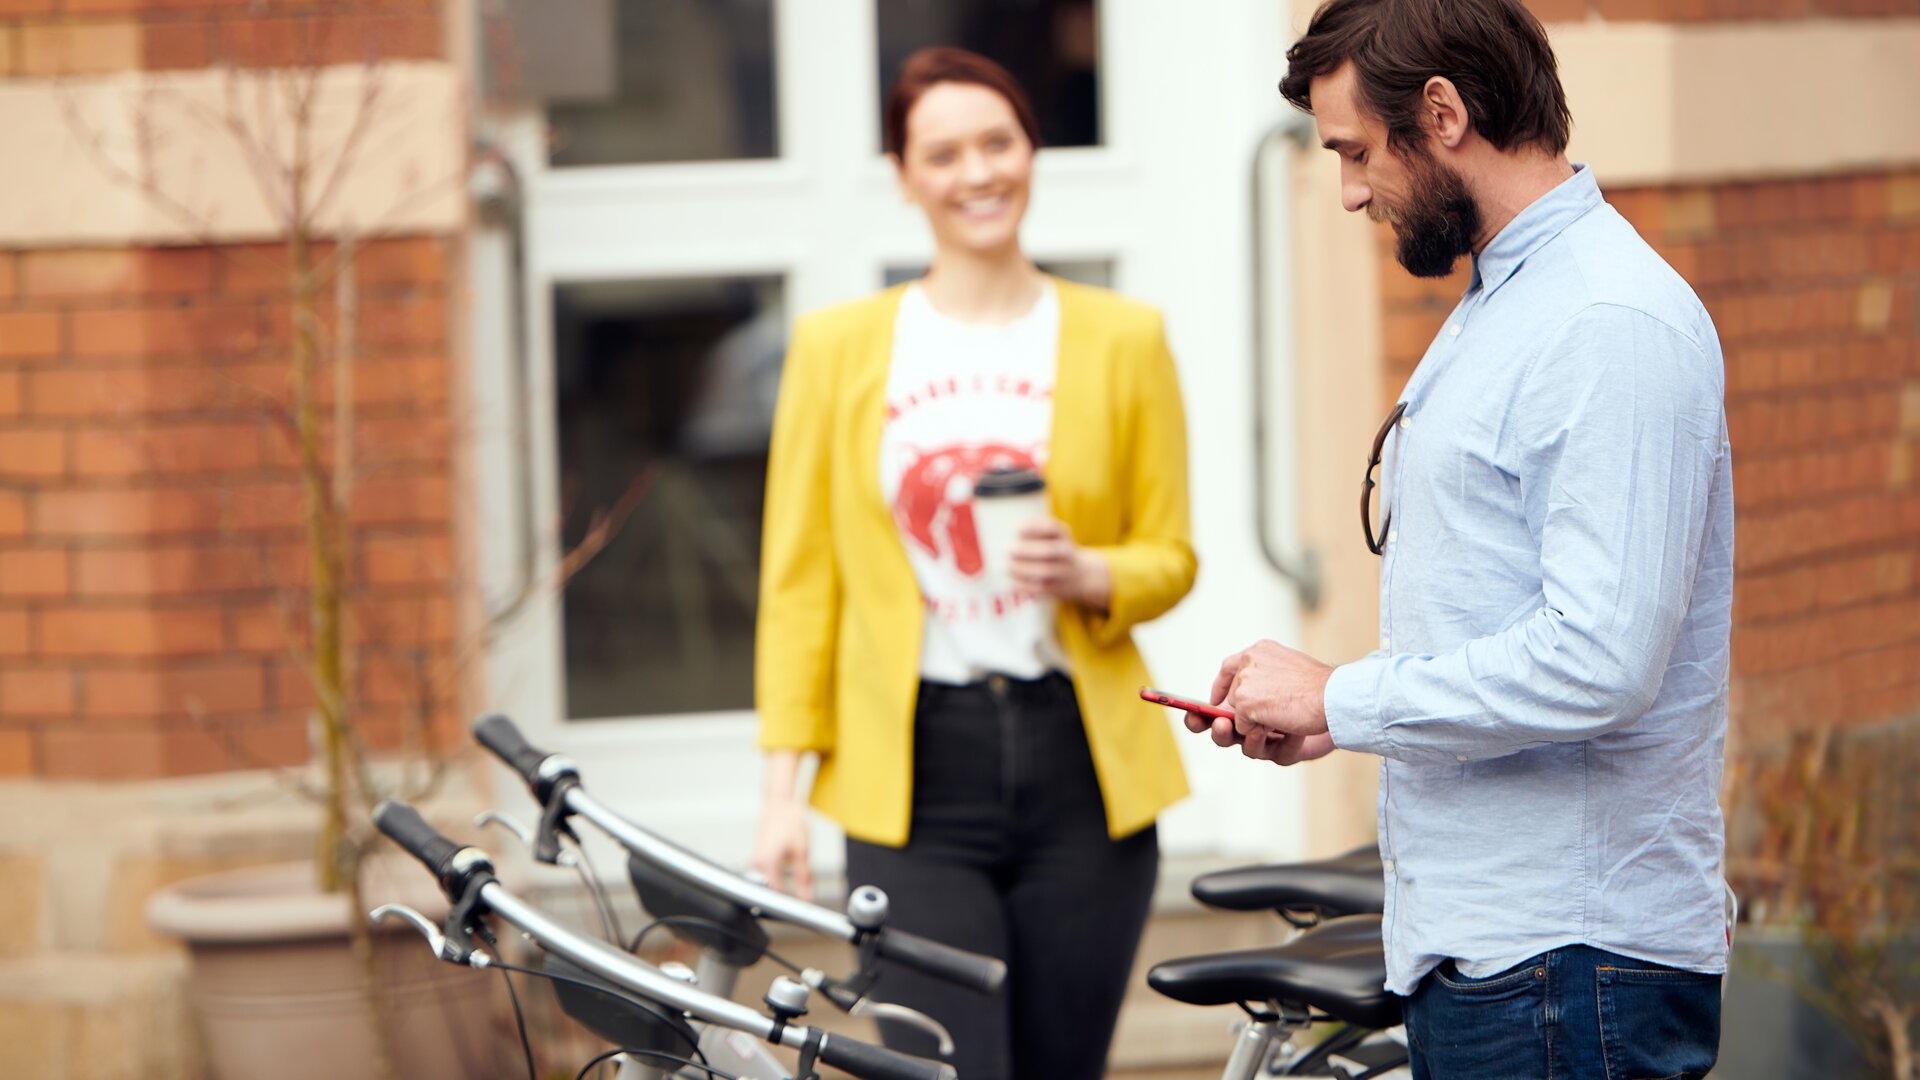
936	498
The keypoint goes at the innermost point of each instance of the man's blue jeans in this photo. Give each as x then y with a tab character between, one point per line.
1576	1013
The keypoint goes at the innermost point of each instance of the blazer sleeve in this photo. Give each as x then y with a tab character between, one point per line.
1153	565
796	630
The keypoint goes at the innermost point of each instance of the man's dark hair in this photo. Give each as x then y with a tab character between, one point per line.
1494	51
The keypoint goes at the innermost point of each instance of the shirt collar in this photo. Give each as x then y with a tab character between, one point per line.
1530	230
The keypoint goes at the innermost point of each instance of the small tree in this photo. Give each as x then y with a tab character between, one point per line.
1833	853
284	126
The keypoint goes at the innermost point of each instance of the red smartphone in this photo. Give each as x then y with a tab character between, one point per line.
1173	701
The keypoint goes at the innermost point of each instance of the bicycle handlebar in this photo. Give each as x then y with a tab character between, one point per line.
957	966
983	973
500	735
404	825
442	856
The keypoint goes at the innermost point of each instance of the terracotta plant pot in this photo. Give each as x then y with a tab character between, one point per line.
278	992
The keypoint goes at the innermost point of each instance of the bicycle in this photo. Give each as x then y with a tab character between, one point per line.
718	911
634	1000
1334	969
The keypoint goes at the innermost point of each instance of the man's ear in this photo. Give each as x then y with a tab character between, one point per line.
1444	113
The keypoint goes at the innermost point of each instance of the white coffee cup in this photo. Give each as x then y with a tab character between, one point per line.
1003	501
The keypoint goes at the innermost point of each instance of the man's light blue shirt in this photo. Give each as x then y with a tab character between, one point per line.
1550	692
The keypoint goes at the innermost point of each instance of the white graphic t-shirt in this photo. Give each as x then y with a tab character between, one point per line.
962	399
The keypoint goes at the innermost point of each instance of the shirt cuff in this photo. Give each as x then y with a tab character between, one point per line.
1352	704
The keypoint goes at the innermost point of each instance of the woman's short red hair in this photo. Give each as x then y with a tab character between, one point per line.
937	64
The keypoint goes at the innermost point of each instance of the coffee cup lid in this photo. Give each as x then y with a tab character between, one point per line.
1015	481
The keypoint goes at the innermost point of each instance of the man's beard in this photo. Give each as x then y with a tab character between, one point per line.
1437	224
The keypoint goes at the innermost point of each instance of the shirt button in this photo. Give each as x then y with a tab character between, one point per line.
1393	536
1387	865
1405	422
1454	330
1386	643
1460	757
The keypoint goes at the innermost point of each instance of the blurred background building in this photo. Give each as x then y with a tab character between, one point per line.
580	230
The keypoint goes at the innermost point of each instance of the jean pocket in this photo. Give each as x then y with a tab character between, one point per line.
1517	978
1658	1023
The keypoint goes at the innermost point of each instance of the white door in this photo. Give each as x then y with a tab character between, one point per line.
657	292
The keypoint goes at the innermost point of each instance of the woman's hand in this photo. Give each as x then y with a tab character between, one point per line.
780	848
780	843
1046	562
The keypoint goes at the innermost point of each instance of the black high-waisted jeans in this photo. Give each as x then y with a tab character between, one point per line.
1008	855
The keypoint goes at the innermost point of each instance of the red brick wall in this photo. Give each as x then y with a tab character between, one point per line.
1814	286
150	529
69	37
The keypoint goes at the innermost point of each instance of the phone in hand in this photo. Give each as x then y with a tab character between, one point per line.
1174	701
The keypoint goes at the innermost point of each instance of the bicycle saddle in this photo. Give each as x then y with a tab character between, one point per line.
1338	967
1350	884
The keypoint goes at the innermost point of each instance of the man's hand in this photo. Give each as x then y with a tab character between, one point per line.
1277	696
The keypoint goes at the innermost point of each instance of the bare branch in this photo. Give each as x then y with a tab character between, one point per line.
364	111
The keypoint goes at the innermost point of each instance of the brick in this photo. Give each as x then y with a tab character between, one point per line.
291	685
1910	410
101	754
15	8
129	632
420	620
122	392
408	560
419	261
9	394
29	336
79	48
1903	199
13	514
179	46
1689	213
32	454
43	692
9	275
273	742
119	513
27	573
268	507
227	686
334	39
402	500
1873	307
16	754
168	331
174	448
16	633
193	570
117	273
265	629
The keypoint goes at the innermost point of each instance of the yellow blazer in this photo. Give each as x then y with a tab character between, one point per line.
837	647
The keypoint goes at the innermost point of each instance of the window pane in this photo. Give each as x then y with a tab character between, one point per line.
695	84
1051	46
671	382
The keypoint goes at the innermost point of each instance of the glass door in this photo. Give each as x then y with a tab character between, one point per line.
730	177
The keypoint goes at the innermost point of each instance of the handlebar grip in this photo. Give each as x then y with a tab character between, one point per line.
958	966
870	1062
500	735
417	838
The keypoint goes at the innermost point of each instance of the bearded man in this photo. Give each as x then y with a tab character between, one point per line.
1552	501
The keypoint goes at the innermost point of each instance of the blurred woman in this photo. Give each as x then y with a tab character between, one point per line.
979	738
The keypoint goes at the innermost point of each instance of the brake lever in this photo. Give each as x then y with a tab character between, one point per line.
850	999
523	834
886	1010
442	950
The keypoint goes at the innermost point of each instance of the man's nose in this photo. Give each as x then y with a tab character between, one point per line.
1354	197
